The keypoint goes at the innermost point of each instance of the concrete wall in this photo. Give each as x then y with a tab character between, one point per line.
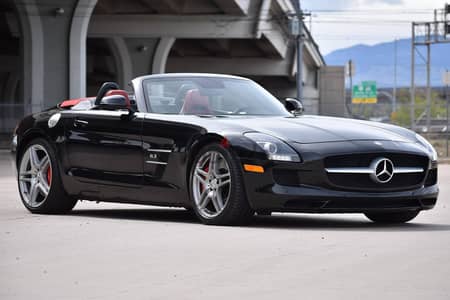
332	91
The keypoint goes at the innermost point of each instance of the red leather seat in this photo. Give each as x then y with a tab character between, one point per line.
195	104
120	92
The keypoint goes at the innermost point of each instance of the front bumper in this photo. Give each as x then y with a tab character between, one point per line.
306	187
319	200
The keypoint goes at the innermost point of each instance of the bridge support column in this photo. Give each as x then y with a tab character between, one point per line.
54	43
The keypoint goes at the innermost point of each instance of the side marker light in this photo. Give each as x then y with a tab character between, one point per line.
253	168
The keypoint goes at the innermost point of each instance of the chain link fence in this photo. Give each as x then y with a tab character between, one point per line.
399	113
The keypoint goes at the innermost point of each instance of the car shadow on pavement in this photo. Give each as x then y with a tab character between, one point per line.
162	215
340	222
278	221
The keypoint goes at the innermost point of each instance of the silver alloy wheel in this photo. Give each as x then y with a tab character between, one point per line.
211	184
35	174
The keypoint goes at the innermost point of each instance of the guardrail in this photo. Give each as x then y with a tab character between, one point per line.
440	141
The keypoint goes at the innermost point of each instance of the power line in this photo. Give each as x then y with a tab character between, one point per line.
423	10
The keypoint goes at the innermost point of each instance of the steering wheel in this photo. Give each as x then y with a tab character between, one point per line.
107	86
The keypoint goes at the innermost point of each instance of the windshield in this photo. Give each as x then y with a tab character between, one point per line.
210	96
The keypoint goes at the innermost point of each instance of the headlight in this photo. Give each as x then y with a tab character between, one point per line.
273	147
427	145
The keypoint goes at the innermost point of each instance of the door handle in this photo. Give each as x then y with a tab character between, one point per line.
80	123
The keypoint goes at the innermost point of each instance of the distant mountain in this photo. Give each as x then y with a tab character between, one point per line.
377	62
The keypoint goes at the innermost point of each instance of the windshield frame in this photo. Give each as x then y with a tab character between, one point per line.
281	111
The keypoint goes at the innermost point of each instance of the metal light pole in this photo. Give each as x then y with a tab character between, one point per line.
448	124
394	92
413	87
428	96
446	82
299	63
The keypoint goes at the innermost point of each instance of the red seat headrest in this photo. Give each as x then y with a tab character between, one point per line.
194	103
119	92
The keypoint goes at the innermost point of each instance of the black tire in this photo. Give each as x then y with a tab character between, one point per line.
57	200
237	210
392	217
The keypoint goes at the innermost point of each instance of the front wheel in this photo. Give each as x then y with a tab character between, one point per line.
392	217
39	181
217	188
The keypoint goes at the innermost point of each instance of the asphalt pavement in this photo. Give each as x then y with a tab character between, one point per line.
114	251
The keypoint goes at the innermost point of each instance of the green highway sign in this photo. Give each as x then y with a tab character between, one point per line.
366	92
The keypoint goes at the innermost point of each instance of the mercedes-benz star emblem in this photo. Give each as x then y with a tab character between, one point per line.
383	170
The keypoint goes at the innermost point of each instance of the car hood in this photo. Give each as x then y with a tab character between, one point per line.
315	129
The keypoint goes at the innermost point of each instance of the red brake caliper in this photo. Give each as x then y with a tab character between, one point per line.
49	175
206	169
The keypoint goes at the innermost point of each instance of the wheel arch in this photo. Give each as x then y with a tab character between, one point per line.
26	139
240	210
195	148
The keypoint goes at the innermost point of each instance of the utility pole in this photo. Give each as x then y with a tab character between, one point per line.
299	41
428	33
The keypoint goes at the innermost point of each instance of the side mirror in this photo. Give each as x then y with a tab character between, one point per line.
294	106
113	102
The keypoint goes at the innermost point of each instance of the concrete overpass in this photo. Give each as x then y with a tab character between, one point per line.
55	50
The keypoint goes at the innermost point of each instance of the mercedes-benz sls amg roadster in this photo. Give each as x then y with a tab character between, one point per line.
223	147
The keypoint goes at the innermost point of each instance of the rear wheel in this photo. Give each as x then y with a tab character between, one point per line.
217	188
392	217
39	182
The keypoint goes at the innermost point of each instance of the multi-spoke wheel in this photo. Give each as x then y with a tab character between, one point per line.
217	189
211	184
35	175
39	182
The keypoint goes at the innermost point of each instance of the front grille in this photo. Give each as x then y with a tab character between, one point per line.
351	181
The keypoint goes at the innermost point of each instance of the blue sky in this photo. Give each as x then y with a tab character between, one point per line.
365	21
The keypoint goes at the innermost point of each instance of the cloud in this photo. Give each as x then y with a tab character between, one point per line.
347	4
328	5
331	32
389	2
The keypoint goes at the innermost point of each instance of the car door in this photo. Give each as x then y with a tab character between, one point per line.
105	155
165	140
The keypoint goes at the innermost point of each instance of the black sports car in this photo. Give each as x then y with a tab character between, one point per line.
223	147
